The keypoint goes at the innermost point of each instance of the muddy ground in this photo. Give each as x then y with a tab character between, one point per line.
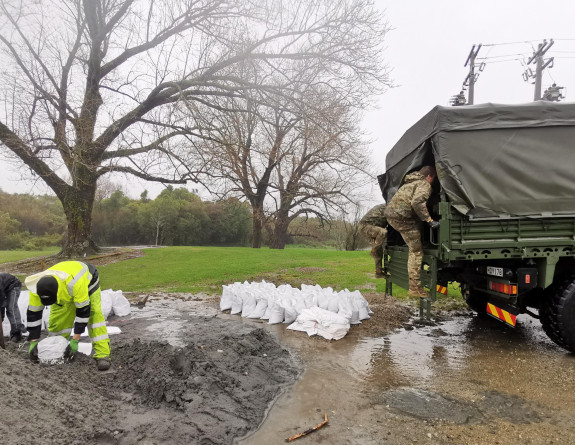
180	375
185	373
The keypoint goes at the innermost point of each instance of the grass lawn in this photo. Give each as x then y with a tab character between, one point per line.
7	256
206	269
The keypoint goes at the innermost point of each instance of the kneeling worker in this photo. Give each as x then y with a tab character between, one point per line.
73	290
373	227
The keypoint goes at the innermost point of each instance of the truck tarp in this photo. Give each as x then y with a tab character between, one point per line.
493	160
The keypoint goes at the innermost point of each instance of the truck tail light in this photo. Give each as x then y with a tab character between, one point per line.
508	289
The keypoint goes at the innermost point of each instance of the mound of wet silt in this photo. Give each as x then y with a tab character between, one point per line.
223	383
154	393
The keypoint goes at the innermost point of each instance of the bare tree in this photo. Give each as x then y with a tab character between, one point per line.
325	167
100	86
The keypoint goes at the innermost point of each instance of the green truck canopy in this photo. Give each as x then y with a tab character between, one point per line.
492	160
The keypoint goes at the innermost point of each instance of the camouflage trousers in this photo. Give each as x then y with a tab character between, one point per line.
410	230
376	237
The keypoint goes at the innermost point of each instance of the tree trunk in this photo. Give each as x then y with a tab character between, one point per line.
280	233
258	224
78	204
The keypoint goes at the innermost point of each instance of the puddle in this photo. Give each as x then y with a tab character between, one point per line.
466	370
168	318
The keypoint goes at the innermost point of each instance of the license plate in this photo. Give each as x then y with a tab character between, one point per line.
495	271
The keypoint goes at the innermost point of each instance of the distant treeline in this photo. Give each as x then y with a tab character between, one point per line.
176	217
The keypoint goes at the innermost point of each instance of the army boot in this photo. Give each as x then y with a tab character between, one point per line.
417	290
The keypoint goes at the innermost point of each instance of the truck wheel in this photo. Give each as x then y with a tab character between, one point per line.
558	314
475	302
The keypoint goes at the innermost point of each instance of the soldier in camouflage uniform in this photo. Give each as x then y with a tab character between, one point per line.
406	213
373	227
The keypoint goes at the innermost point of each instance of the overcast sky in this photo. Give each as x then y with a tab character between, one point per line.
426	51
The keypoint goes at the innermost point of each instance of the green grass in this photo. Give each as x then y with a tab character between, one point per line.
206	269
8	256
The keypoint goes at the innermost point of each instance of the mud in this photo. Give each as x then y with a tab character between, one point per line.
215	388
185	373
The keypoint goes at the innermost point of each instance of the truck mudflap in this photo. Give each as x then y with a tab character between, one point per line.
507	315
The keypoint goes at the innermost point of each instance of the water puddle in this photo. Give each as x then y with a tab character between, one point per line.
167	318
464	370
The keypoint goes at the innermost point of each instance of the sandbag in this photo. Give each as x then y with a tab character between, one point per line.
227	298
51	349
248	303
120	304
317	321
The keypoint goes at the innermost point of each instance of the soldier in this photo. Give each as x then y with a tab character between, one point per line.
373	227
405	213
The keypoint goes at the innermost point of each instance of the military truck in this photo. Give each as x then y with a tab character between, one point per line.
505	200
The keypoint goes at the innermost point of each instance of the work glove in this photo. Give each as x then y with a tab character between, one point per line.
33	351
434	224
71	349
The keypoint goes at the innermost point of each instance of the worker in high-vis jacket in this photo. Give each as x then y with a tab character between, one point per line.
72	289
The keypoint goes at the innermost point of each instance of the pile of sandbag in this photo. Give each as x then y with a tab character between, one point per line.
312	309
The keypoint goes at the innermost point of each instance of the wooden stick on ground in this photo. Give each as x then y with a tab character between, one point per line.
311	430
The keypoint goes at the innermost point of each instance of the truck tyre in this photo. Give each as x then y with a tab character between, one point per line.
558	314
476	302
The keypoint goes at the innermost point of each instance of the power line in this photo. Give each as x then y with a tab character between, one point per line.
512	43
503	55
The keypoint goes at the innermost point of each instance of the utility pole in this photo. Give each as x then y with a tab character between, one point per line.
471	76
540	65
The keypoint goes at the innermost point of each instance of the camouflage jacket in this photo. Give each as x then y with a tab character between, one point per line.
410	200
375	216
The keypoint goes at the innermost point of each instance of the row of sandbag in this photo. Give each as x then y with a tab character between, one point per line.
312	309
113	303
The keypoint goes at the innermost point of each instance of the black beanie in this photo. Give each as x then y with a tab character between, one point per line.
47	289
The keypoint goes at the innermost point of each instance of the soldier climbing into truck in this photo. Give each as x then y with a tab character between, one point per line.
405	213
505	200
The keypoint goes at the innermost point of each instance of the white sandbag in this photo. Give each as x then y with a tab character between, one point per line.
237	303
317	321
106	304
85	348
267	313
111	330
227	298
299	303
347	309
361	305
322	300
51	349
261	305
120	304
248	304
276	313
290	313
333	303
310	299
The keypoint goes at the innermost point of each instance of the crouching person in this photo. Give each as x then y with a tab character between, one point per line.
72	288
373	226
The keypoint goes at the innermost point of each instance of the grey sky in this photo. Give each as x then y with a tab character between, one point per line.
426	52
